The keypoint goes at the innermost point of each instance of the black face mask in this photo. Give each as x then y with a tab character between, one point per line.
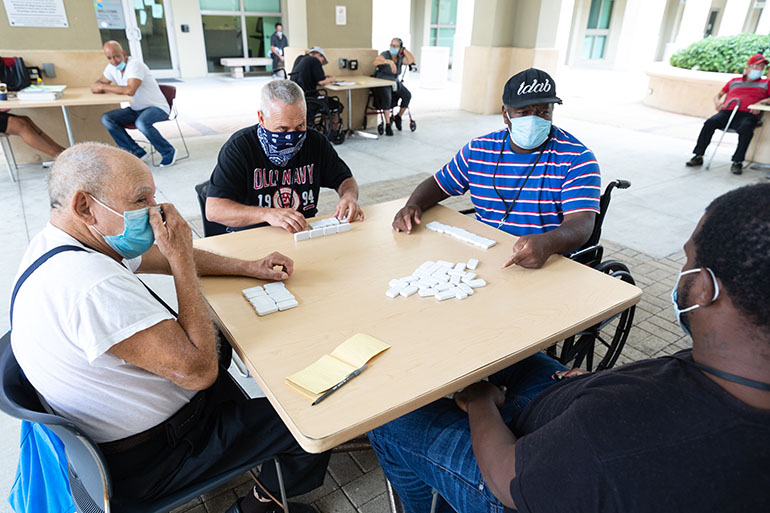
726	375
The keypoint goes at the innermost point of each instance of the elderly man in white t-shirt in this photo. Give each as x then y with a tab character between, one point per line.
106	353
133	78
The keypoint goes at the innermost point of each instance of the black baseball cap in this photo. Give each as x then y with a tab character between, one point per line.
530	87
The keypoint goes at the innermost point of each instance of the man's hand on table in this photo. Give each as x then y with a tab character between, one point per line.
286	218
755	112
348	209
406	218
97	88
264	268
530	251
481	391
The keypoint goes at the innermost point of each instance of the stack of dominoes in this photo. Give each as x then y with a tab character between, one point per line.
441	279
328	226
461	234
271	298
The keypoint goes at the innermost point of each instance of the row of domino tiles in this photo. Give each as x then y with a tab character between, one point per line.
441	279
328	226
271	298
461	234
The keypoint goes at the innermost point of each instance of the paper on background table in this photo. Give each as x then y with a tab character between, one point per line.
329	370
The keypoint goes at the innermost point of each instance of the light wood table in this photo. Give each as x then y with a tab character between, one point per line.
358	82
71	96
759	149
436	347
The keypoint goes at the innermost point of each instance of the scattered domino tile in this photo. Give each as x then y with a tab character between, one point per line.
270	298
441	279
328	226
461	234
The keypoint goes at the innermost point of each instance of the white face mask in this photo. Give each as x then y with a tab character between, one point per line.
279	33
685	325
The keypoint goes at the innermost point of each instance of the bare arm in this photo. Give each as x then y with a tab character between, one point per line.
276	52
426	195
182	351
347	206
408	58
231	213
532	251
719	100
379	60
128	90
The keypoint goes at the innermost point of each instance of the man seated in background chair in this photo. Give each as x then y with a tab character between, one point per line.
29	132
748	89
643	437
107	354
133	78
388	67
272	172
531	179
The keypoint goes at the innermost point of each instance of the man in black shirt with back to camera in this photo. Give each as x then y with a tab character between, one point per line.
688	432
308	71
271	173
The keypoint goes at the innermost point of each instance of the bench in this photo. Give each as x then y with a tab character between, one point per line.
237	63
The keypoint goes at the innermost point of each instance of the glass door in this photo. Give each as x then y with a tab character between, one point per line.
144	28
598	30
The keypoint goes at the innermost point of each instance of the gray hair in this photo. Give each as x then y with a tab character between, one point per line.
85	166
285	91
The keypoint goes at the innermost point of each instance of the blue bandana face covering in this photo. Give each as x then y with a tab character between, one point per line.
528	132
280	147
137	237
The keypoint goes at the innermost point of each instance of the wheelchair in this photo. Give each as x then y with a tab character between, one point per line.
372	109
599	346
325	115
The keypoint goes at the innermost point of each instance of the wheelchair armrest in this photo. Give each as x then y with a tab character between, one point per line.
589	256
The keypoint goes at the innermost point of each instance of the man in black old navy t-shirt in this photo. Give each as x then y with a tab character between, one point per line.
272	172
683	433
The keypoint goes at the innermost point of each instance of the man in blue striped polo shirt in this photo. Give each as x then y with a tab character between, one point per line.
531	179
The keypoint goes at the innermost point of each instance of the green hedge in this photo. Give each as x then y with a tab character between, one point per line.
725	54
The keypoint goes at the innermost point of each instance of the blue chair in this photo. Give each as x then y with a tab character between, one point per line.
90	481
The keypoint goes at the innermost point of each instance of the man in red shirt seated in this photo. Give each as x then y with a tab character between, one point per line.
748	89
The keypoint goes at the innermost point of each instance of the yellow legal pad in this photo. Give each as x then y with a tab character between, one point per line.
332	368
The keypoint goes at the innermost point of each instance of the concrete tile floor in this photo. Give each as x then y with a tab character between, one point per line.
646	227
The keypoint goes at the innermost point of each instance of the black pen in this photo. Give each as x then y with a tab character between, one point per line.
338	385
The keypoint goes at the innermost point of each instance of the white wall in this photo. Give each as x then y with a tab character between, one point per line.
734	16
463	32
191	49
391	18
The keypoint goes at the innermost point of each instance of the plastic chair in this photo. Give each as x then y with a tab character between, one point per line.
169	92
90	482
10	158
210	228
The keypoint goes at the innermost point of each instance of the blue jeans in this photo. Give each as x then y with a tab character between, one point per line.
431	448
115	121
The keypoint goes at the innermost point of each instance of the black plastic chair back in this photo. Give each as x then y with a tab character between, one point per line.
210	228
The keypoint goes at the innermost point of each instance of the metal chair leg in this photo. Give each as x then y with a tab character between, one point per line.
240	367
434	503
284	500
392	504
8	154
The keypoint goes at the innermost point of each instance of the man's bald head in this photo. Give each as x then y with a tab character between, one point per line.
112	45
92	167
114	52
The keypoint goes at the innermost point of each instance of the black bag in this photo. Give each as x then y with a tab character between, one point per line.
13	73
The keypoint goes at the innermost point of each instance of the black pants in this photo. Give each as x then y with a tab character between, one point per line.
743	123
232	431
387	98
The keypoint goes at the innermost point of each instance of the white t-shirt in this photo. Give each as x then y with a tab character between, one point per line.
148	94
67	315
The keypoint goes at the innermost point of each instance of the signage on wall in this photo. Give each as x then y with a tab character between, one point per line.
342	14
36	13
109	14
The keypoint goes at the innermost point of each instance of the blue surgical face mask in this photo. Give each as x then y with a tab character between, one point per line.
754	74
528	132
280	147
121	66
137	237
393	51
683	323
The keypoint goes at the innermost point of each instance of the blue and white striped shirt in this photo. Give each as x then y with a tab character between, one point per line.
566	180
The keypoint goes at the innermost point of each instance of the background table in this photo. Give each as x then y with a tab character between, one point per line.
74	96
436	347
759	149
359	82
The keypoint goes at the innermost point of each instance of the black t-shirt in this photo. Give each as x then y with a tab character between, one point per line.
279	43
307	72
384	72
651	436
244	174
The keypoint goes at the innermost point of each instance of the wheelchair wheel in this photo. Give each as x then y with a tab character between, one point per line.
337	136
412	125
380	129
602	342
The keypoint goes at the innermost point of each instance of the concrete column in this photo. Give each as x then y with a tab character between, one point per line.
463	34
764	21
508	36
734	16
295	22
639	33
693	23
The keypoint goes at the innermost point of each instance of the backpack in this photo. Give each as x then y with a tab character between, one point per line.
14	73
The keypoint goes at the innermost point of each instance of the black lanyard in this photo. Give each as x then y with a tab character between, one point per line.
509	208
725	375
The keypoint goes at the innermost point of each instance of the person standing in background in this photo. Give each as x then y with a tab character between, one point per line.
278	42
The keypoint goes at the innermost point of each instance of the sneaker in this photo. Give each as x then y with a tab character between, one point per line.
736	168
397	121
388	129
696	160
47	164
168	160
